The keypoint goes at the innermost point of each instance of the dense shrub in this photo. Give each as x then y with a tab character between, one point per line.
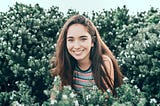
140	60
109	24
27	37
126	95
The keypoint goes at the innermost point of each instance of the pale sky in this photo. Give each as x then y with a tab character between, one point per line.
134	6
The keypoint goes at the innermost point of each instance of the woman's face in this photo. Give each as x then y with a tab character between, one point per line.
79	42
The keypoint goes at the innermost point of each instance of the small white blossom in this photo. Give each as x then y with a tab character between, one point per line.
68	87
30	57
9	30
132	80
27	16
56	78
46	92
138	90
53	102
88	97
1	39
19	31
19	46
153	100
143	75
94	87
30	69
125	79
76	103
131	45
135	86
15	103
15	35
72	95
133	56
13	51
64	96
108	90
9	48
55	45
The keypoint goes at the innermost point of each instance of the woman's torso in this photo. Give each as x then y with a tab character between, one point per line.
82	79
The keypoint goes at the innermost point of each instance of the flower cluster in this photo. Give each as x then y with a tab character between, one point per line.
126	95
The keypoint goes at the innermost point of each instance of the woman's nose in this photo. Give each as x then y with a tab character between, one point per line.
76	44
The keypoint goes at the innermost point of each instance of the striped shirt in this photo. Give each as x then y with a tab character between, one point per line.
82	78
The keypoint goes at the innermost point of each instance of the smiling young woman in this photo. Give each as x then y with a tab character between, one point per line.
82	59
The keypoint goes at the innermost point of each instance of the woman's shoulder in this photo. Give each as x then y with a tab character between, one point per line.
106	58
108	63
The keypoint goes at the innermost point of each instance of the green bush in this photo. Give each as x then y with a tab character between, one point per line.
27	41
141	60
109	24
27	37
126	95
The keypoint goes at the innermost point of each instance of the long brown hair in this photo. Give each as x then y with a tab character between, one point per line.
64	63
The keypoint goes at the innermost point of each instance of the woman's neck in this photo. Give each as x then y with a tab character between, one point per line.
84	65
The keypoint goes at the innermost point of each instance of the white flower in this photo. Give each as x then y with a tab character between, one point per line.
30	57
132	80
88	96
15	35
108	90
138	90
13	51
143	75
57	78
68	87
94	87
53	102
29	69
125	79
153	100
9	48
46	92
1	39
19	46
135	86
76	103
133	56
131	45
64	96
72	95
16	103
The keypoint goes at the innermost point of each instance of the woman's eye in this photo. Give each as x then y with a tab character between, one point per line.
83	39
70	40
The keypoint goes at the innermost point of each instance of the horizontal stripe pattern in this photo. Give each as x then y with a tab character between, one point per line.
82	78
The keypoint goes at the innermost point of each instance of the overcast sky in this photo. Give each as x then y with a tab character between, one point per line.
134	6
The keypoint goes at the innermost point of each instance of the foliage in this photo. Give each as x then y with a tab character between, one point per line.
109	23
140	60
28	36
126	95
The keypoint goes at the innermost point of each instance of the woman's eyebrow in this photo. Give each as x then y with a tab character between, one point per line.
69	36
83	36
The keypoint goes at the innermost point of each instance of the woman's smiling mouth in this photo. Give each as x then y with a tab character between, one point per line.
78	52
